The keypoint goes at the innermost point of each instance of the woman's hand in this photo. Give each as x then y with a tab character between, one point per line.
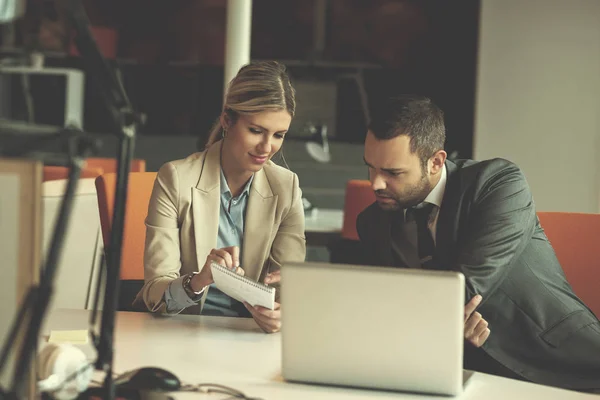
273	277
228	257
268	320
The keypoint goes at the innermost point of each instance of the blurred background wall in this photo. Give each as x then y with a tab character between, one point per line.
170	56
538	96
516	79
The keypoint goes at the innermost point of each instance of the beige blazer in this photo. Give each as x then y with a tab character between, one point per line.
183	221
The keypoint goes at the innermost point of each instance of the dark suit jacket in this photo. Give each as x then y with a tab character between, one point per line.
488	230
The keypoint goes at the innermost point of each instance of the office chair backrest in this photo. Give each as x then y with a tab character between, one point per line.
54	173
134	232
109	165
359	195
574	237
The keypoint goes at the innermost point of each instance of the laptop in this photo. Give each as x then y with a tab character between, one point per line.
373	327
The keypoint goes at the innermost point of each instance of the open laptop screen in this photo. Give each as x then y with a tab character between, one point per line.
384	328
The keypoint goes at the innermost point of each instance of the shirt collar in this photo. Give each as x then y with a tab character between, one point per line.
437	193
225	187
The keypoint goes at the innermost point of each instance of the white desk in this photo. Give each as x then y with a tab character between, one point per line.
234	352
323	225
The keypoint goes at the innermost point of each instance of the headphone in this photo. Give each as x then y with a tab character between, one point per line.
64	371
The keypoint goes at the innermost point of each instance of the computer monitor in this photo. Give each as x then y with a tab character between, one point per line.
42	96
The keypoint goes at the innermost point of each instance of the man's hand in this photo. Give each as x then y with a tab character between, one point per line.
268	320
476	328
228	257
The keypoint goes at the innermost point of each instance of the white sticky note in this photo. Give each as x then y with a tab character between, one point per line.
73	337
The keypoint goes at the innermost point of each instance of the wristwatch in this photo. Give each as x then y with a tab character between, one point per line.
187	287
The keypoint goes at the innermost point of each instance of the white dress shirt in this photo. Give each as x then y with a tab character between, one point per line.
435	197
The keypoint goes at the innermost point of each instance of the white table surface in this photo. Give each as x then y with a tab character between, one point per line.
324	220
236	353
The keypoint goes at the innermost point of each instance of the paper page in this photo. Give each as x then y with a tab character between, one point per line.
242	288
72	337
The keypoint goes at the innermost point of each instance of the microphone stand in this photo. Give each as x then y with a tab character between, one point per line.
126	122
33	308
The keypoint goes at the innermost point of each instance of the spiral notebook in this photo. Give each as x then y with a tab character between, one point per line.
241	288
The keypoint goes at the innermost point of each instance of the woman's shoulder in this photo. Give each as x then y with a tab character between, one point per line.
188	167
280	177
190	161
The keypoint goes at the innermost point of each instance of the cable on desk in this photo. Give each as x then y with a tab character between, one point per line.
216	388
207	388
73	375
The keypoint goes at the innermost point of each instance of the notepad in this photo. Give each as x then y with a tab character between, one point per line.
72	337
241	288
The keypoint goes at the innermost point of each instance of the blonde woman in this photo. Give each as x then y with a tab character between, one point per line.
230	204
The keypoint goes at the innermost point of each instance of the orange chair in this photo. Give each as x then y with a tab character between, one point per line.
574	237
54	173
109	165
359	195
107	40
134	232
93	168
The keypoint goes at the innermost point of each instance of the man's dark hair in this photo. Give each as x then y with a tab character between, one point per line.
414	116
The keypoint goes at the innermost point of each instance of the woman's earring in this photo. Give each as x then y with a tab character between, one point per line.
224	133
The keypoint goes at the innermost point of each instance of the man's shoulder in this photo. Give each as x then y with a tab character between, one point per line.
493	164
474	178
465	170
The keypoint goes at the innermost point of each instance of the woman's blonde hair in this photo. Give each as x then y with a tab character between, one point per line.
257	87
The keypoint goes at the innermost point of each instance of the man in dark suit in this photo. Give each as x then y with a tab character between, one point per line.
477	218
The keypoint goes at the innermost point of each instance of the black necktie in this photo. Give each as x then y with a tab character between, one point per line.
420	215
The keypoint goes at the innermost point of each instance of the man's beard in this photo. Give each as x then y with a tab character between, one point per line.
412	196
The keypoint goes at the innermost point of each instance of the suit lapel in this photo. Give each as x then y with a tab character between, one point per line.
258	225
205	200
446	219
382	241
403	243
